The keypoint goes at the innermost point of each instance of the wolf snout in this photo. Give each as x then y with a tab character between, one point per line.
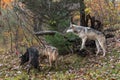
69	30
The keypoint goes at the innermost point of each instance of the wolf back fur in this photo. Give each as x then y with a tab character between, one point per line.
51	53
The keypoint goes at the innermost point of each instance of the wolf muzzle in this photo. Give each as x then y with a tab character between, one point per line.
69	30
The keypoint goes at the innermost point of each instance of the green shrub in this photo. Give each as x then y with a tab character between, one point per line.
60	42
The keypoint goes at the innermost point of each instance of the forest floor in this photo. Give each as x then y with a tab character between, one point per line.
71	67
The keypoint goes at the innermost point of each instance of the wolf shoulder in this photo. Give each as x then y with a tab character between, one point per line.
88	29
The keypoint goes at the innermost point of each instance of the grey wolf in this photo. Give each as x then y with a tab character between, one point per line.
32	57
51	53
88	33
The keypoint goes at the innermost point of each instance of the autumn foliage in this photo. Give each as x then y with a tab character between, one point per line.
104	10
6	3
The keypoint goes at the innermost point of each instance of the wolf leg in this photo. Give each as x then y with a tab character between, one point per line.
98	47
50	61
102	44
29	68
83	43
56	63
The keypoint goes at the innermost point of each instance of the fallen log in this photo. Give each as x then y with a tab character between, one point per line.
45	33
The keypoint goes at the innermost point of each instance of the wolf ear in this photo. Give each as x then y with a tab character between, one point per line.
71	25
71	21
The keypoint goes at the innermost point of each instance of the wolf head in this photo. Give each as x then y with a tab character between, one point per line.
31	53
24	58
71	28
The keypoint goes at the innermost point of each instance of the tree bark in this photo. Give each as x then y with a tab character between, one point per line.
82	13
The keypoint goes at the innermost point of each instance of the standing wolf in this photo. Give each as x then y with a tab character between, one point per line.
51	53
88	33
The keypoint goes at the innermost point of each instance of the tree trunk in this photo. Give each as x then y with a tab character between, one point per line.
82	13
84	19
